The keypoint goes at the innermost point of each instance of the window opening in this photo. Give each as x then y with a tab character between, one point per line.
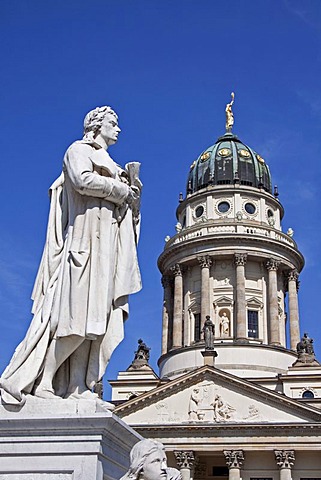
197	328
253	323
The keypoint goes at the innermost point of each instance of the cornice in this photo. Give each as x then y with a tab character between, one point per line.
289	256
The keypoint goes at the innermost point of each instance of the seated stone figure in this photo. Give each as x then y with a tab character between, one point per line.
148	462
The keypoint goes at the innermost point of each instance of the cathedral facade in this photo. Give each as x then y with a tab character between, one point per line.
238	393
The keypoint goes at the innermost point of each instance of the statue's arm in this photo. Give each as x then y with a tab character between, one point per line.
79	169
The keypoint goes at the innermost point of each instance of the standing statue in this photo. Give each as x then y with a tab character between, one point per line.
209	331
88	268
224	325
305	345
229	114
148	462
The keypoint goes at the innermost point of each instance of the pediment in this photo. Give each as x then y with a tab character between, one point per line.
253	301
211	396
223	300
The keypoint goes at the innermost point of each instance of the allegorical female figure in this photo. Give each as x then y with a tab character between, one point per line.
88	268
148	462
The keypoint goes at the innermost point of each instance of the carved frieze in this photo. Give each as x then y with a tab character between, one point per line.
205	404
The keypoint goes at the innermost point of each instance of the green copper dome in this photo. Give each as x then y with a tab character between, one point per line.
227	162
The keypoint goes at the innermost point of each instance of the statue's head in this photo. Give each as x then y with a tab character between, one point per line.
147	462
101	121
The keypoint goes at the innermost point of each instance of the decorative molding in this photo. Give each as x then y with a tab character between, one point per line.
234	458
185	458
284	458
205	261
272	264
240	259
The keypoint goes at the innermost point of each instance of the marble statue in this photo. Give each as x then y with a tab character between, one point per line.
148	462
224	325
88	268
208	330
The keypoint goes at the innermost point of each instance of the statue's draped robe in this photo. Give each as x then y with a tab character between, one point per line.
88	268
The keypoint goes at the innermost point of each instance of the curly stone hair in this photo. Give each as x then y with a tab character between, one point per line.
94	119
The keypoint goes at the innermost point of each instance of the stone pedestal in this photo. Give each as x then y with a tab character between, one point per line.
62	440
209	357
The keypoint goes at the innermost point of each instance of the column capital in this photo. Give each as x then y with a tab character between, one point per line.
176	269
205	261
293	275
272	264
284	458
185	458
234	458
240	259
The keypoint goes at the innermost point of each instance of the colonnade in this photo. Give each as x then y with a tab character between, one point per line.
173	306
235	459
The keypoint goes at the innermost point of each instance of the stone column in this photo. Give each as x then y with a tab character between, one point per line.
293	308
185	461
166	282
285	459
234	461
178	306
241	329
272	266
205	264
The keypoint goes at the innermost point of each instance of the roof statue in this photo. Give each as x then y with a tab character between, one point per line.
89	267
142	355
229	115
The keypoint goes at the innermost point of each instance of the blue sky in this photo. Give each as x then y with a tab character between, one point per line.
167	67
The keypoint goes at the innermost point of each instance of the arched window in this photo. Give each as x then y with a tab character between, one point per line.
308	394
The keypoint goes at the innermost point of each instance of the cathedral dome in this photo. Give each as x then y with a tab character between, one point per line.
227	162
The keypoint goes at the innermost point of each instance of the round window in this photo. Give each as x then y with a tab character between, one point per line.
199	211
250	208
270	213
223	207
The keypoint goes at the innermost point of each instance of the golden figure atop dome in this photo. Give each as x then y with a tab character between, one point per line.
229	115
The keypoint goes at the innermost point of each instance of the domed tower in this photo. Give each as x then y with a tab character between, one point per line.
230	260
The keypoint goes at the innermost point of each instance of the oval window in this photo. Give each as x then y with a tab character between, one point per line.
270	213
199	211
250	208
223	207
